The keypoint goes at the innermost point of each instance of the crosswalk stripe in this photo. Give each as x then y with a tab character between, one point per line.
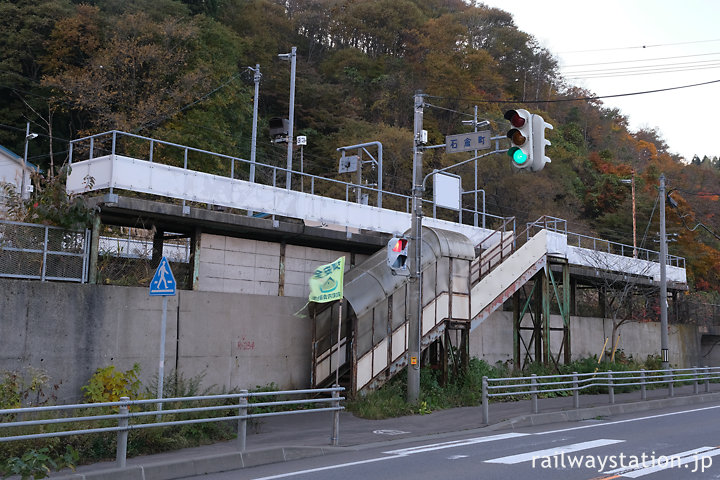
551	452
676	460
456	443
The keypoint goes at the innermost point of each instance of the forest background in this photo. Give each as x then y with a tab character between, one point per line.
176	70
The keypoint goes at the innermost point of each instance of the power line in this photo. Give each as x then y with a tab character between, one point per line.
697	63
582	77
641	46
638	60
576	99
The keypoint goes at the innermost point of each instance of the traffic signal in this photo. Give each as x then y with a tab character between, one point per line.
520	135
539	143
397	256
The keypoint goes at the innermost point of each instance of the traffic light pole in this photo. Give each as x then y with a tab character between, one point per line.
415	304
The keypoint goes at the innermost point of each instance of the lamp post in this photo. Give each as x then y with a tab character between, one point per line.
292	56
28	136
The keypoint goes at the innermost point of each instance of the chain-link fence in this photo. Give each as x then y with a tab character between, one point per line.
703	314
41	252
125	257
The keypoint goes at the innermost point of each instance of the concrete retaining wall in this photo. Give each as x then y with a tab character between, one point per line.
493	339
233	340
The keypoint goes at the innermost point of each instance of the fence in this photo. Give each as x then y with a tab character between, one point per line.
233	407
125	257
534	385
40	252
696	313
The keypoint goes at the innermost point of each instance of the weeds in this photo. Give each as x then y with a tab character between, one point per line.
466	389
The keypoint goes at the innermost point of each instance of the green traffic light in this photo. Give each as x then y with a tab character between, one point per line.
517	155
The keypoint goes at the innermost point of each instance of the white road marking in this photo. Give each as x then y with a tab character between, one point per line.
329	467
456	457
389	432
453	444
675	460
616	422
551	452
439	446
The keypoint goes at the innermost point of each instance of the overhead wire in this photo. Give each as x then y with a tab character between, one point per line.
640	47
639	60
576	99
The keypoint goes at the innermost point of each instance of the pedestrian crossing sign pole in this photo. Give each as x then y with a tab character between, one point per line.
162	284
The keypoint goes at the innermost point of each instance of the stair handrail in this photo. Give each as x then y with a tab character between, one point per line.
487	260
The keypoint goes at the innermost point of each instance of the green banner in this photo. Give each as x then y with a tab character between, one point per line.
326	283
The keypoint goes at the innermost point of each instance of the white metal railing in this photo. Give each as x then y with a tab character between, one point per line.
125	420
112	143
116	142
535	385
559	225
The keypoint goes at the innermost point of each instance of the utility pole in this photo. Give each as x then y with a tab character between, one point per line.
632	186
292	56
663	280
253	144
415	307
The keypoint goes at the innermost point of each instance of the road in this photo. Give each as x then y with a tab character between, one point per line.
667	445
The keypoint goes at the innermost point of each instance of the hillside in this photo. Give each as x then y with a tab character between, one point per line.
177	70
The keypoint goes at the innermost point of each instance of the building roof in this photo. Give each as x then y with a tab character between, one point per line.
18	158
10	153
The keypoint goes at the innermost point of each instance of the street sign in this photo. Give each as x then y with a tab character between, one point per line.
467	142
348	164
163	282
447	190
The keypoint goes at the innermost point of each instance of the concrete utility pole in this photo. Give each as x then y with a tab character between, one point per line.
292	56
663	280
415	304
253	144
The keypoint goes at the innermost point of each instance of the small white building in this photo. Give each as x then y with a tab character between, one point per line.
11	170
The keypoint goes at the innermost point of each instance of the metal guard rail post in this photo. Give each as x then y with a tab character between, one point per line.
124	415
535	385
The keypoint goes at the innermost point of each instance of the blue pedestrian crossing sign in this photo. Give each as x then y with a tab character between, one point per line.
163	282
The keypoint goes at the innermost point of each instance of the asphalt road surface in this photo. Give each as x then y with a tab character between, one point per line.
668	445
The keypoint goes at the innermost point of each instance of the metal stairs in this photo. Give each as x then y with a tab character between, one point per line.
463	285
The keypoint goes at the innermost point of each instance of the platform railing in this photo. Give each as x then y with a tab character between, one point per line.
115	142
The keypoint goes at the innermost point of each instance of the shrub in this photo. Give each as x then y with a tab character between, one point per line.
108	385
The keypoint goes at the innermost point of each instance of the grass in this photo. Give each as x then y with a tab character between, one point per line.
465	390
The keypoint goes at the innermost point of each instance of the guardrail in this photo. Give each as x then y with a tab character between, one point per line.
239	410
535	385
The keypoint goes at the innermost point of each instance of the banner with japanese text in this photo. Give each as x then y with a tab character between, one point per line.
326	283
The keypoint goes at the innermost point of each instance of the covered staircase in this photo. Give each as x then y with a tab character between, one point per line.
463	284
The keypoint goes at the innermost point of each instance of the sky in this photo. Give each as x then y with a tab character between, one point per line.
645	35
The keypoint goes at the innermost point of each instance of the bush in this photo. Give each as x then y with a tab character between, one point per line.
109	385
466	389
